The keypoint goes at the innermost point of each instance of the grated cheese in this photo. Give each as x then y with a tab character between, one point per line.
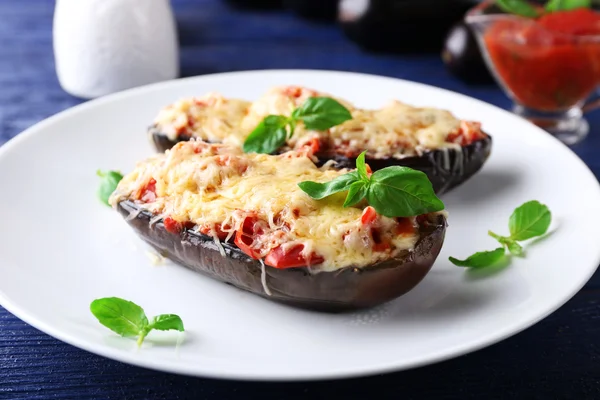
396	130
215	185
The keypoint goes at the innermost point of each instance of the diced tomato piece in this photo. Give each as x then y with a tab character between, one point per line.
381	247
468	133
246	234
172	226
452	137
314	144
369	170
293	91
190	121
148	193
223	161
291	258
206	230
244	242
369	216
404	227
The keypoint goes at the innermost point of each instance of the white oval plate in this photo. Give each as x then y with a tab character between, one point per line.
61	248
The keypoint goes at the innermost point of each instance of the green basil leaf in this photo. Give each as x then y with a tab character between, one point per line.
529	220
361	167
321	113
356	193
108	183
165	322
402	192
518	7
321	190
121	316
563	5
268	136
514	247
480	259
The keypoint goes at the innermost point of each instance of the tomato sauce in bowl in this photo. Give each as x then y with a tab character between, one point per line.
550	63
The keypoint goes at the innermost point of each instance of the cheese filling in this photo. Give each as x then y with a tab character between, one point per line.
254	200
396	130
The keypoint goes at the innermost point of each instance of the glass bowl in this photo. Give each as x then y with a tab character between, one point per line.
550	75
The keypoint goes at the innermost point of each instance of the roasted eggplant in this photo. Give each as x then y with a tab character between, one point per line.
447	164
246	219
445	168
342	290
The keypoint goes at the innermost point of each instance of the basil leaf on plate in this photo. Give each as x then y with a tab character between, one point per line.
529	220
108	183
166	322
129	320
120	316
480	259
514	247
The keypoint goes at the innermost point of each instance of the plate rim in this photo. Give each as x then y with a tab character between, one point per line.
349	373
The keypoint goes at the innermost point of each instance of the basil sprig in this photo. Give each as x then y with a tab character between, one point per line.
392	191
108	183
129	320
531	219
525	9
317	113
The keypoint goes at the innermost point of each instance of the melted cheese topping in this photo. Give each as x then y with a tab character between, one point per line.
396	130
212	118
216	187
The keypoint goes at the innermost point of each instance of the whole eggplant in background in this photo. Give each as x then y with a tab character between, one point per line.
400	25
255	4
323	10
462	56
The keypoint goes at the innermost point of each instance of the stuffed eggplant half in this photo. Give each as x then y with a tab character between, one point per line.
242	219
447	149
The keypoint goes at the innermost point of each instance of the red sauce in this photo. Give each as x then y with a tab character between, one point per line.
547	64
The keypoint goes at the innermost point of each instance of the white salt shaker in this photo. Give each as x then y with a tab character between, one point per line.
104	46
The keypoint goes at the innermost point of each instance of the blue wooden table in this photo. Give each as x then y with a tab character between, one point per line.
558	358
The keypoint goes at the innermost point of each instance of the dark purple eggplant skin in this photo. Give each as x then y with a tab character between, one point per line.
161	141
346	289
432	163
